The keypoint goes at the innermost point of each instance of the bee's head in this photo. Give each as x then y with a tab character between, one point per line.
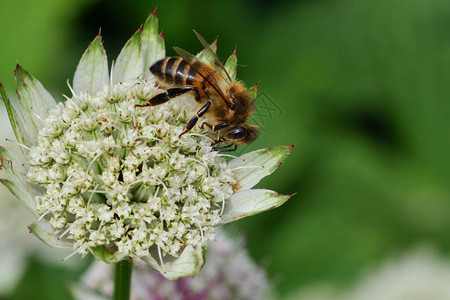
242	103
244	134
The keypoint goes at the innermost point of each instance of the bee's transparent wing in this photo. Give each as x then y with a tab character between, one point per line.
200	68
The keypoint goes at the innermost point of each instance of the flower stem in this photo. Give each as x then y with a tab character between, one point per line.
122	279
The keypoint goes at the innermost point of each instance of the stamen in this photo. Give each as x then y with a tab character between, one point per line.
71	254
160	258
148	137
223	206
92	195
42	216
227	155
20	144
200	135
70	88
246	167
65	232
111	76
201	232
92	162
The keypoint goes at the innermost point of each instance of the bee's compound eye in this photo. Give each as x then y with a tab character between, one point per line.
237	133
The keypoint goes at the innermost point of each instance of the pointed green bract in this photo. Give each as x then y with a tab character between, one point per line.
21	193
207	56
189	263
17	184
152	44
35	101
92	73
253	90
251	167
16	121
45	233
101	253
130	62
251	202
231	65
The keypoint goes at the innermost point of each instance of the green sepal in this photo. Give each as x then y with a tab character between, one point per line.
92	73
251	167
130	62
44	232
21	193
17	184
189	263
253	91
231	65
152	43
103	254
251	202
34	100
16	121
207	56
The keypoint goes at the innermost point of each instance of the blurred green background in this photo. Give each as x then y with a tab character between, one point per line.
361	87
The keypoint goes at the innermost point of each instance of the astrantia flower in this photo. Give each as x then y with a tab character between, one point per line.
229	273
106	177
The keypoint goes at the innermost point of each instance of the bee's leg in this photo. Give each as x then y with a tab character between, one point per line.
220	126
224	148
205	123
194	119
215	127
169	94
219	140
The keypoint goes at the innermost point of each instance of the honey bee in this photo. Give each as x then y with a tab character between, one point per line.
225	102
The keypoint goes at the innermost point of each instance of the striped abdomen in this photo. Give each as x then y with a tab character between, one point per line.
175	71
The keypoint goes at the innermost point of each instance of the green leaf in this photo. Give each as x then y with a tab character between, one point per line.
45	233
35	101
189	263
250	202
130	62
231	65
92	74
152	43
16	121
251	167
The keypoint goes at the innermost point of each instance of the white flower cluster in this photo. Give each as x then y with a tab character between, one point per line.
107	177
118	176
228	273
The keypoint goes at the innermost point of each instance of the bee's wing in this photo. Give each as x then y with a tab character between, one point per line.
198	67
216	59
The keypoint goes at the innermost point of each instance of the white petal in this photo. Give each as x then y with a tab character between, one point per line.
251	167
91	74
35	101
45	233
189	263
153	48
250	202
130	63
